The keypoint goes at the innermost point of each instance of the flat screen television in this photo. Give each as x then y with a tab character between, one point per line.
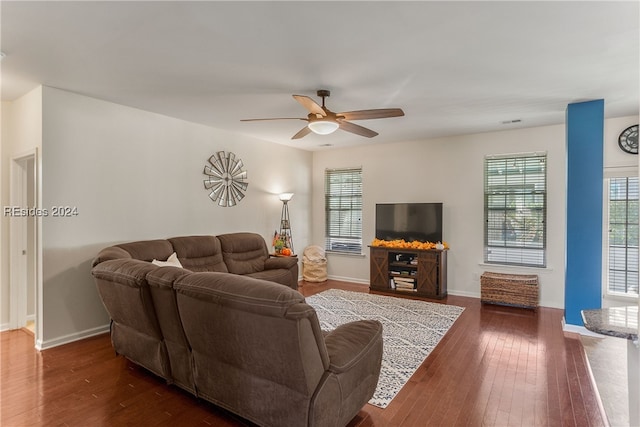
409	221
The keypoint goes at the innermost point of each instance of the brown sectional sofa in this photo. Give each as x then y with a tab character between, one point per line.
236	253
226	329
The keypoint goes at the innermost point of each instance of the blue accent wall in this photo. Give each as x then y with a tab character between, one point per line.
583	276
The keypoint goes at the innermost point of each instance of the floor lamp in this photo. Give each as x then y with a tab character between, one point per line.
285	224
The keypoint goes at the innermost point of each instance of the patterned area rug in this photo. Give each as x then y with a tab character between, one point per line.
411	329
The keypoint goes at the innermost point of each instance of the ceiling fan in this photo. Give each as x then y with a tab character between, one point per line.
323	121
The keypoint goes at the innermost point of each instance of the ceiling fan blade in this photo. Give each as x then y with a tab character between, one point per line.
380	113
275	118
301	133
357	129
310	104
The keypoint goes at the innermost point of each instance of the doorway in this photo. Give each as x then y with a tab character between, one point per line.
24	246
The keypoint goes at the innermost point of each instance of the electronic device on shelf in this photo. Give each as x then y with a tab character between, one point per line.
409	221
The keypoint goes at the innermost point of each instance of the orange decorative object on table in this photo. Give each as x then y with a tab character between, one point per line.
402	244
286	252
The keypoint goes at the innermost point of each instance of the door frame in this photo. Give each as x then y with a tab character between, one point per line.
18	242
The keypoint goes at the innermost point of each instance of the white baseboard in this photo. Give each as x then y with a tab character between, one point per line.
5	326
463	293
349	279
449	291
66	339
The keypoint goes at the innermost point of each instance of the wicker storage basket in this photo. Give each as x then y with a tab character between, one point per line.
519	290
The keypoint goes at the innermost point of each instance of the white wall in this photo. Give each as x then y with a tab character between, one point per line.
449	170
136	175
4	221
614	157
21	132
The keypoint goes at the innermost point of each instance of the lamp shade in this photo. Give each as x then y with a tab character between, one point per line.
323	127
285	197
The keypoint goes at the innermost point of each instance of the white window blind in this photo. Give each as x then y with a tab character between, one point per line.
343	210
515	207
623	236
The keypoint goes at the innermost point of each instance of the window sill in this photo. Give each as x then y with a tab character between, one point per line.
515	267
347	254
621	297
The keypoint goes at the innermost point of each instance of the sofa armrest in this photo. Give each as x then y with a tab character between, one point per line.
110	253
355	359
128	272
349	344
286	262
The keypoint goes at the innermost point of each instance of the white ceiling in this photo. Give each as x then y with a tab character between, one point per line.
454	67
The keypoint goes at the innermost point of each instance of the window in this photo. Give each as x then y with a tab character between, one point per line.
515	207
623	236
343	210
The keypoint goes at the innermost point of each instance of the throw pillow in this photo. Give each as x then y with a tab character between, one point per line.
172	261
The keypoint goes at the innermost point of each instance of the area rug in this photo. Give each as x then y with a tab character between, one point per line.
411	330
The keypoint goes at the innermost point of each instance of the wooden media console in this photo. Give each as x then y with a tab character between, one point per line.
409	271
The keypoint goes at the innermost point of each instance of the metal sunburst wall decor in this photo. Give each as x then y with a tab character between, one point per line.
226	179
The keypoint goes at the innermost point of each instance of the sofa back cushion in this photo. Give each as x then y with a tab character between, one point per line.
260	343
148	250
199	253
243	253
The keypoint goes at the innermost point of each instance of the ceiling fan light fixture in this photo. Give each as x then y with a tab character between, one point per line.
323	127
323	121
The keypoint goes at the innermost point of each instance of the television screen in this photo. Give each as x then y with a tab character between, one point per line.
409	221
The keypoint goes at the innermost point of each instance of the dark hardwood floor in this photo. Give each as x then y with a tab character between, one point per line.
497	366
